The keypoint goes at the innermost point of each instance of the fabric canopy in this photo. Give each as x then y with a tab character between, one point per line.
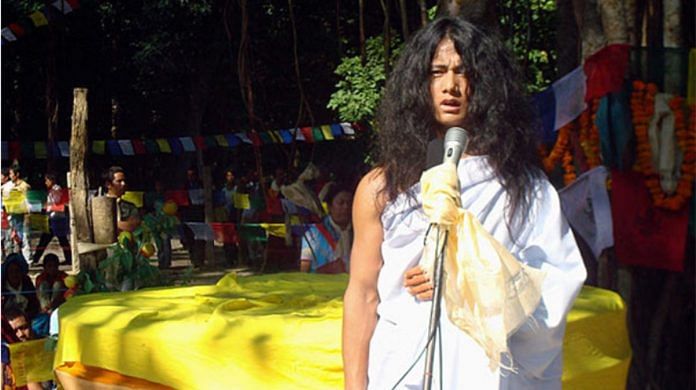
279	331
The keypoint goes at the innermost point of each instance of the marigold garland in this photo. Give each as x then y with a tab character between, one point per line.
642	109
589	135
561	151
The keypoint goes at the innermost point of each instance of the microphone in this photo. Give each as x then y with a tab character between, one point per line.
456	142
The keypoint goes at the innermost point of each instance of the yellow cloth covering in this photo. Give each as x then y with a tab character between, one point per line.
30	361
279	331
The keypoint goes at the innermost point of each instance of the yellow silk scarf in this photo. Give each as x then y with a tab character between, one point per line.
488	293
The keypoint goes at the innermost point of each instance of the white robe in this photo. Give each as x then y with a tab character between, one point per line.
544	241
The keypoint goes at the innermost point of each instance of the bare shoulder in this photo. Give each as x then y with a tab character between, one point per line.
369	197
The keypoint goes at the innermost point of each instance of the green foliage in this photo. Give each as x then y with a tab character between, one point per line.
127	268
360	86
529	29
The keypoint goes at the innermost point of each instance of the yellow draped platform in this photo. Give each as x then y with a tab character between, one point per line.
279	331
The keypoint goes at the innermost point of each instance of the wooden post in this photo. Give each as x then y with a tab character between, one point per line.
209	217
104	219
79	185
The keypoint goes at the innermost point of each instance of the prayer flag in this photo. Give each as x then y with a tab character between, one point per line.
175	145
135	197
275	136
5	150
31	362
219	198
62	6
15	150
16	29
114	147
40	150
691	78
27	150
151	146
225	232
569	92
232	140
307	133
38	19
180	197
241	201
200	142
210	141
126	147
255	139
64	148
197	196
39	222
35	200
221	141
605	70
243	137
201	231
8	34
99	147
317	134
585	203
347	128
187	144
299	135
336	130
286	135
545	103
274	229
645	235
163	145
15	202
265	138
139	146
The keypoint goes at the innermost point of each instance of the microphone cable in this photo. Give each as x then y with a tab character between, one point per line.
436	330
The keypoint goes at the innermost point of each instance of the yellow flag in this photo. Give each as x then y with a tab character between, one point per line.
38	19
39	222
99	147
221	141
163	145
691	78
241	201
274	229
326	130
31	362
15	202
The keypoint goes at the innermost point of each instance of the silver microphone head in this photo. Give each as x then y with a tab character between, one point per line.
456	141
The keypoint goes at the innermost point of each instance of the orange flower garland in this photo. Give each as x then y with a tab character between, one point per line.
589	135
642	109
561	152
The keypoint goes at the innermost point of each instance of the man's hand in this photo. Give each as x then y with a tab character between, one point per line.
418	284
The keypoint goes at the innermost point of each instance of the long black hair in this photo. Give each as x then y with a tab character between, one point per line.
499	117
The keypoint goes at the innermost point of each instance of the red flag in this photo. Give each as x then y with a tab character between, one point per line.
605	70
200	142
225	232
139	146
307	133
180	197
255	139
645	235
15	150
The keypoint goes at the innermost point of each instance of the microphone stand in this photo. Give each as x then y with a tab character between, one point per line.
433	327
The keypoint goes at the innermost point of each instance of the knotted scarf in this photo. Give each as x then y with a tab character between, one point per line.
488	293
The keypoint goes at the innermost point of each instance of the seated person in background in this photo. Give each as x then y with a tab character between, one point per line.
128	217
17	287
326	245
16	328
49	284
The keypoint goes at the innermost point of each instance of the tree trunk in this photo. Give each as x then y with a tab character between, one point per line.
590	26
404	19
672	39
566	37
476	11
387	35
79	183
361	12
50	96
423	12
